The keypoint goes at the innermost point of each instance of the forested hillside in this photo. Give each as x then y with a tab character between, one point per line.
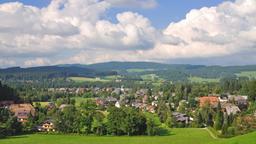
49	72
129	70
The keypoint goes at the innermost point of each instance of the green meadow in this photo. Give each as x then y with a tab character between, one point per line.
250	74
86	79
200	79
177	136
138	70
43	104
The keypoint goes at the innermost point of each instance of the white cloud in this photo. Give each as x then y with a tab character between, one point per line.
212	32
6	62
76	31
37	61
132	31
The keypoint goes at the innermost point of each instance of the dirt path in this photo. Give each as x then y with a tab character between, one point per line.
211	134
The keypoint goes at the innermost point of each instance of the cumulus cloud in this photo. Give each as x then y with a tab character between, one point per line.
6	62
76	31
37	61
213	32
67	25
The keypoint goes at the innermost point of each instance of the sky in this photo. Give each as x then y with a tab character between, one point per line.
51	32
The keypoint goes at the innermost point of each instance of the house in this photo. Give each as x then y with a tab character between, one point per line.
145	99
151	108
80	91
111	100
117	104
22	111
155	97
140	106
212	100
141	92
240	101
117	91
100	102
136	105
46	126
154	103
223	98
179	117
6	103
230	108
96	90
109	89
50	106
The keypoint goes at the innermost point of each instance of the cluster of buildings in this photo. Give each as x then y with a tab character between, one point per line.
182	118
94	90
68	90
230	104
21	111
141	100
24	111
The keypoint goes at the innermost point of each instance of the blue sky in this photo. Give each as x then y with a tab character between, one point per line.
166	11
169	10
38	3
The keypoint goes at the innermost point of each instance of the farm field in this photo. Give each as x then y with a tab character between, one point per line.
250	74
200	80
114	77
85	79
150	77
138	70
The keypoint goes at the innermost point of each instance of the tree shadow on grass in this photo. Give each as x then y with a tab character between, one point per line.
164	132
15	137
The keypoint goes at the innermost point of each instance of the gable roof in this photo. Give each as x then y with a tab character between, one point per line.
22	110
212	100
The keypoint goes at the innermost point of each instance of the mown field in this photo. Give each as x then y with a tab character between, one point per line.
138	70
177	136
86	79
200	80
250	74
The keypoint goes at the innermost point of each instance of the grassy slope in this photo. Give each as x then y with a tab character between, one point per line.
244	139
178	136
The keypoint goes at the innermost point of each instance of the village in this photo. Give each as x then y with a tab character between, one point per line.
143	100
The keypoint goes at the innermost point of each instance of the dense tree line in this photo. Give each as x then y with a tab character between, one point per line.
7	93
8	124
117	121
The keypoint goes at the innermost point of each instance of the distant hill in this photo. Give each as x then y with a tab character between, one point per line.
128	65
173	72
48	72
